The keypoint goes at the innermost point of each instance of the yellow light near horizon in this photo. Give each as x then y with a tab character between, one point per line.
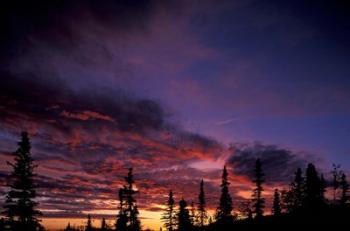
149	219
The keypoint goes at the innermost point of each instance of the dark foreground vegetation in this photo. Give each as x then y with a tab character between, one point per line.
303	203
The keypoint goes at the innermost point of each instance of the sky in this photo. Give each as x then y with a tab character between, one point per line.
174	89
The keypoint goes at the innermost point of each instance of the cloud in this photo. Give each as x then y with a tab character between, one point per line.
226	121
84	142
36	97
279	164
86	115
66	74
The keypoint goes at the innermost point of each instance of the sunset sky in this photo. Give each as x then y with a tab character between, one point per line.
174	89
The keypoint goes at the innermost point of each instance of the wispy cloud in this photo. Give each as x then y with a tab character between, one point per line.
227	121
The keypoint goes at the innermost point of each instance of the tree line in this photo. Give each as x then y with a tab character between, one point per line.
303	202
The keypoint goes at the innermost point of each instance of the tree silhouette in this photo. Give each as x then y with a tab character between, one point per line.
121	223
210	220
2	223
276	209
323	186
131	210
193	216
20	211
183	217
68	228
169	214
224	211
298	189
244	208
202	213
314	189
336	174
103	225
344	189
88	224
258	200
293	198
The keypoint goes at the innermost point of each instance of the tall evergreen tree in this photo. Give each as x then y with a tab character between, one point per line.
2	223
293	198
313	188
103	225
336	174
20	206
131	210
193	216
202	213
68	228
323	186
121	218
183	217
258	200
344	189
298	189
244	208
169	214
224	211
88	224
276	209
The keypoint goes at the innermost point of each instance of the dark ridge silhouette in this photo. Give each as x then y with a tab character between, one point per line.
303	203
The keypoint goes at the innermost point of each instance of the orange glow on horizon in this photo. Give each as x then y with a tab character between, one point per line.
149	220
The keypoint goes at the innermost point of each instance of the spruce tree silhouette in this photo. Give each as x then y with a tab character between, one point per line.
258	200
344	189
276	209
250	215
20	206
202	213
193	216
293	198
224	211
183	217
2	223
323	185
169	214
336	174
244	208
298	189
88	224
103	225
68	228
121	223
313	189
131	210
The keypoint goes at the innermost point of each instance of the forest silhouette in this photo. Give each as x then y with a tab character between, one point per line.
304	202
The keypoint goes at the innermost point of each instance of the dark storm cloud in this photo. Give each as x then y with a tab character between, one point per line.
279	164
35	97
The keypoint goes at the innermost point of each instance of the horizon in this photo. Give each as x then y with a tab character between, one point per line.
176	90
